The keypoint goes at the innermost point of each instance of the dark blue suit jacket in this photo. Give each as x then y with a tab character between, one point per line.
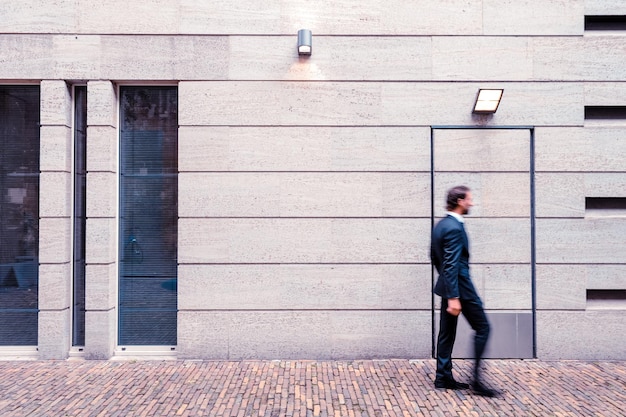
450	254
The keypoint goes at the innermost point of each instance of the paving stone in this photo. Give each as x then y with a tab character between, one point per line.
305	388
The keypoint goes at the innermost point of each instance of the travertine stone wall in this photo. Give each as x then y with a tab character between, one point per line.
55	232
101	224
305	183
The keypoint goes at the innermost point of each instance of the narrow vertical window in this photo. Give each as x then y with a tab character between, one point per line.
148	215
80	210
19	214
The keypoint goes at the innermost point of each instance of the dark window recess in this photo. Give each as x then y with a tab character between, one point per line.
148	215
605	112
605	22
80	213
605	203
606	294
19	214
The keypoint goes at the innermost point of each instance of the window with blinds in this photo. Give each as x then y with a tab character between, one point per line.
80	215
148	215
19	214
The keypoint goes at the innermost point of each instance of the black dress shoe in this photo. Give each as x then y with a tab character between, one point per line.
450	384
483	391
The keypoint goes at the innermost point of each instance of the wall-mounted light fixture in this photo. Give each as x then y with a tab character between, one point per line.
305	42
488	100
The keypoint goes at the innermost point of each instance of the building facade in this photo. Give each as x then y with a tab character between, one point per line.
177	181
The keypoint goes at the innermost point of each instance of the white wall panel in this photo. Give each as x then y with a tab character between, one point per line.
561	287
503	287
489	192
54	188
563	194
581	241
253	148
293	334
54	240
605	7
334	58
304	195
607	93
55	148
303	240
496	150
499	240
482	58
580	150
367	104
533	17
304	287
585	335
606	277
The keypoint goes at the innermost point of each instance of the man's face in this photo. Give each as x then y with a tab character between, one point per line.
466	203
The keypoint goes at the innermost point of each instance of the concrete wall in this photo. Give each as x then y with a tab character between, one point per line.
304	185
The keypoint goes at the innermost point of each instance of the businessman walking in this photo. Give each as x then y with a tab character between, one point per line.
450	255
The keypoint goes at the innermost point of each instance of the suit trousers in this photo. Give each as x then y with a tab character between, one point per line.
473	311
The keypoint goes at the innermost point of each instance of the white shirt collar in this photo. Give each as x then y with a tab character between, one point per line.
456	216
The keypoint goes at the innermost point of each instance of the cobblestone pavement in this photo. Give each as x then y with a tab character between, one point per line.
305	388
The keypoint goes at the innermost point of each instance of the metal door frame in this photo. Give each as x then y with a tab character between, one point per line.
533	251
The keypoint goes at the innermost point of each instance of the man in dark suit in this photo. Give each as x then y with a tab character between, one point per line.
450	255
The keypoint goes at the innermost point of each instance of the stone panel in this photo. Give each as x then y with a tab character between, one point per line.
55	286
102	103
164	57
491	193
101	194
368	104
420	17
606	277
100	334
483	150
584	335
54	240
155	16
303	240
503	287
607	94
307	287
76	57
563	194
24	56
30	16
482	58
335	58
304	148
303	195
54	189
54	334
580	149
55	148
561	287
101	286
298	334
499	240
529	17
100	241
560	195
572	241
605	7
593	58
56	103
102	148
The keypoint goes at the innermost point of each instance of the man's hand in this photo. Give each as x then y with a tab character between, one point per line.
454	306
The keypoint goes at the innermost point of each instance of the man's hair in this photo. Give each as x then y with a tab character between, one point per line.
454	195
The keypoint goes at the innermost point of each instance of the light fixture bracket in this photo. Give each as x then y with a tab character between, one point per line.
305	42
